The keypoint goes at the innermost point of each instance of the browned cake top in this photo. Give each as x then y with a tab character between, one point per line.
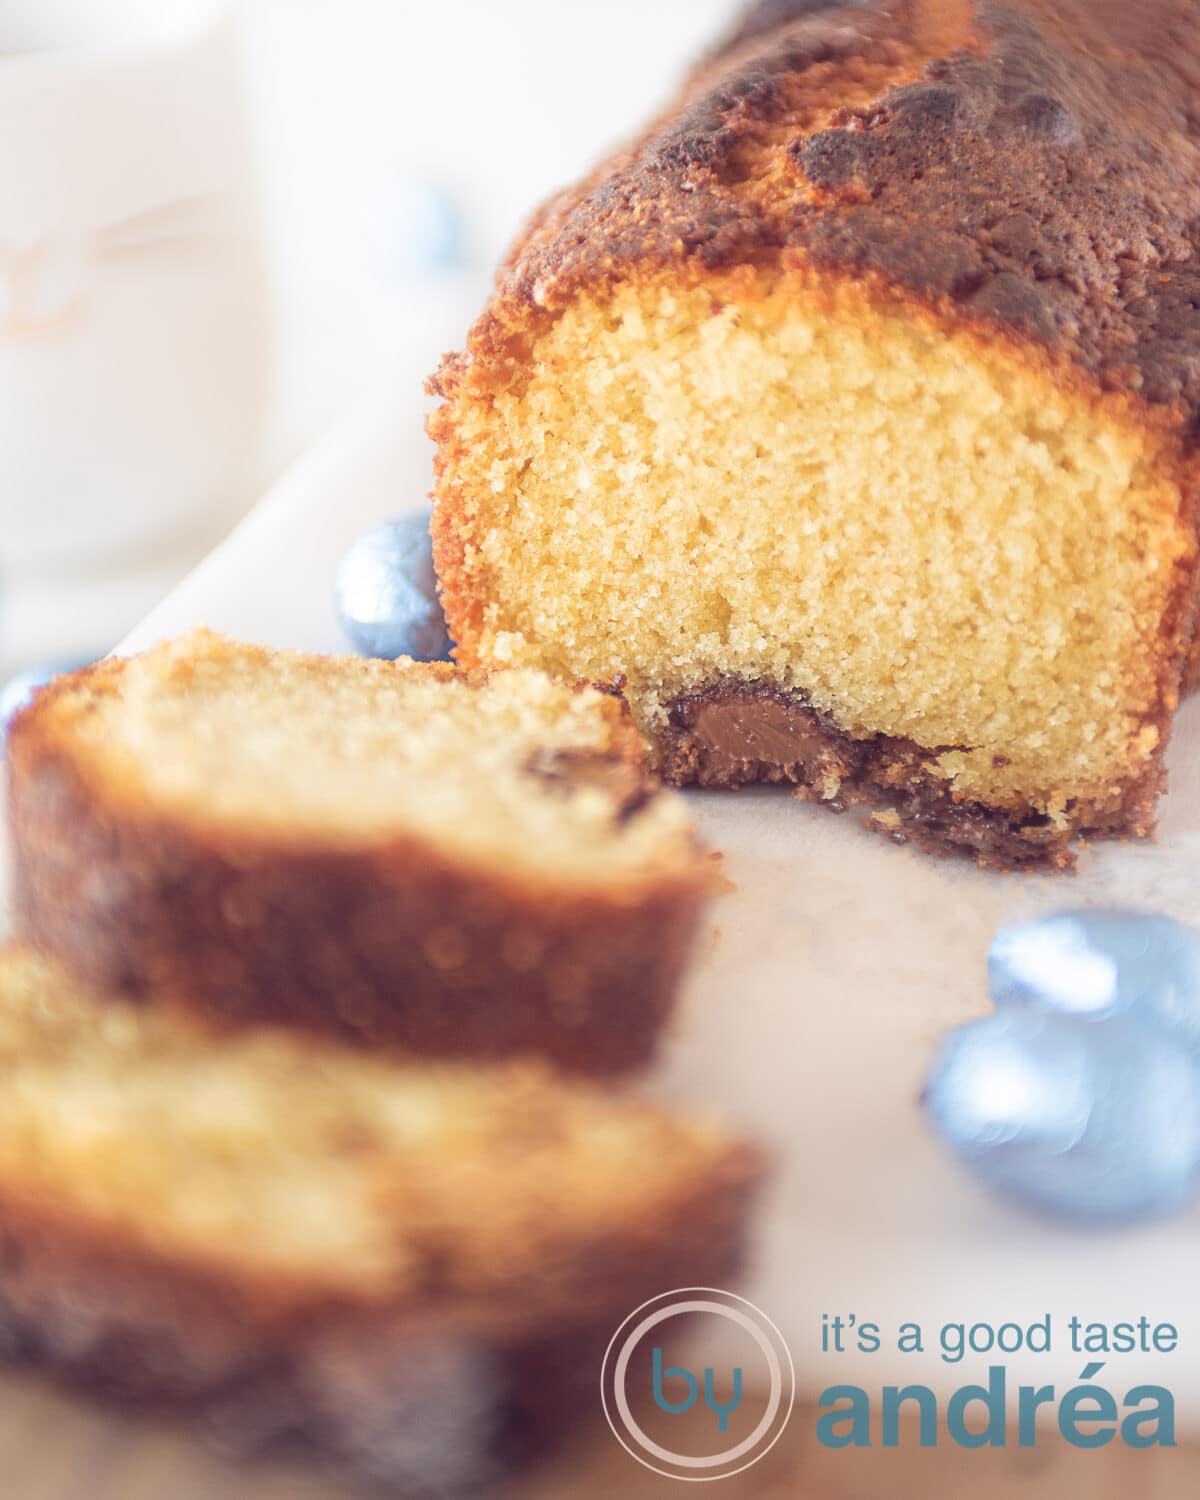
1032	164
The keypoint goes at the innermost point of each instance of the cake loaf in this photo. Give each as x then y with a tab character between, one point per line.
847	419
414	1266
459	864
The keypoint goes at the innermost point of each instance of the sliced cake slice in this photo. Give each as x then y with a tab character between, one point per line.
405	1262
458	863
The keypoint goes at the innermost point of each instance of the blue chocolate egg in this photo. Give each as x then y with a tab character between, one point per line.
415	229
1101	963
386	592
1084	1121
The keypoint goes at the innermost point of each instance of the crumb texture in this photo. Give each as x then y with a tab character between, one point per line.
513	769
923	539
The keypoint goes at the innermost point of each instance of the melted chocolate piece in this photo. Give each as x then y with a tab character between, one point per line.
762	738
573	770
739	733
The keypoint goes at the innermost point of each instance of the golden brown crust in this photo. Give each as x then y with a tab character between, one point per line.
438	1394
395	945
1027	165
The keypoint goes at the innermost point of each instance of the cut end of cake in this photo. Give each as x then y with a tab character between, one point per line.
971	569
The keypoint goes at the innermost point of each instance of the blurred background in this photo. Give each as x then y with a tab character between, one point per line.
222	225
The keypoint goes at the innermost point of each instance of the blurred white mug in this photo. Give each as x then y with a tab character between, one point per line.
133	319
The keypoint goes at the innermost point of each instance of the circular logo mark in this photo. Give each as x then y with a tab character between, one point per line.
697	1418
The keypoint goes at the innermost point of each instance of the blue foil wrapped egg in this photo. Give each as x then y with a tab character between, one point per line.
415	230
1085	1121
1100	963
386	592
